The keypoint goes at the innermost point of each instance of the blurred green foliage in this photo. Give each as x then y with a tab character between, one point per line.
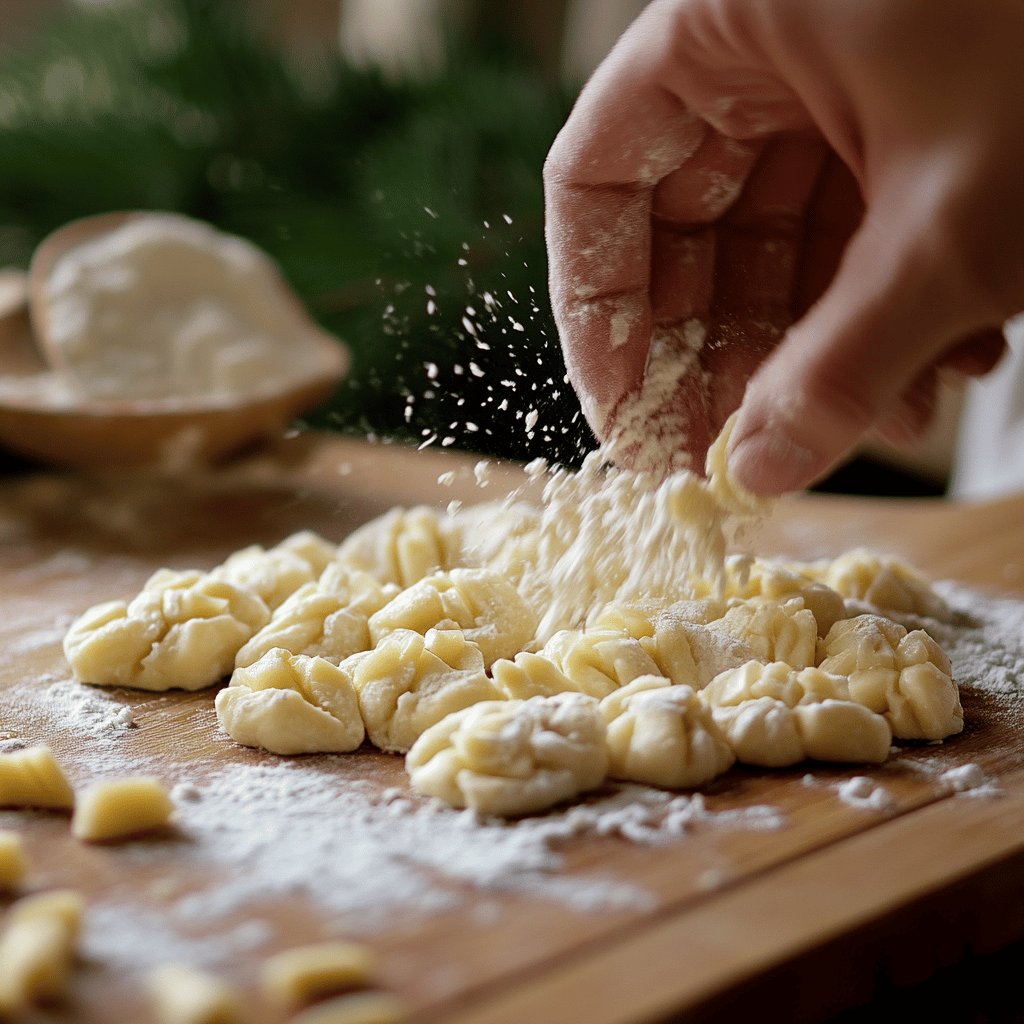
407	215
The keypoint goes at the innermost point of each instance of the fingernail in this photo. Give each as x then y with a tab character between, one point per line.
767	462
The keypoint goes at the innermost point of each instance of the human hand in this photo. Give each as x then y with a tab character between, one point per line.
824	199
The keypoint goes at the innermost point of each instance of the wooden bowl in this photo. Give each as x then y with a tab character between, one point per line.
41	418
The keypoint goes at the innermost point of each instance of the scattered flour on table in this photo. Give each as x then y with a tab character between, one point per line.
860	791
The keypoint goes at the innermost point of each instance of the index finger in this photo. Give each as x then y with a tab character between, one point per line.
626	133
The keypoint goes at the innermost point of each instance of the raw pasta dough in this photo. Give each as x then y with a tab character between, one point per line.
513	757
291	704
120	808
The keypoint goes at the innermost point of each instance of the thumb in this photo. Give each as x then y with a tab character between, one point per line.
892	309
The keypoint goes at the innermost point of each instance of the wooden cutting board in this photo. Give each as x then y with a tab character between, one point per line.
814	914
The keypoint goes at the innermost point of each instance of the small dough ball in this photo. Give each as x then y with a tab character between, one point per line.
884	581
513	757
120	809
748	578
485	606
291	704
182	631
774	716
529	675
357	1008
13	862
33	778
410	682
663	735
401	546
727	491
300	976
776	630
599	661
327	619
187	995
36	949
904	676
691	653
275	574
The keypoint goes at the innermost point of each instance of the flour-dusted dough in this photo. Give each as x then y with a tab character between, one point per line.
599	661
37	947
401	546
513	757
326	619
409	682
13	862
275	574
663	735
120	809
904	676
485	606
529	675
774	630
499	535
884	581
187	995
291	704
299	976
33	778
182	631
775	715
747	578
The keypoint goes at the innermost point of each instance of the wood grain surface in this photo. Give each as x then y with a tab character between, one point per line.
813	914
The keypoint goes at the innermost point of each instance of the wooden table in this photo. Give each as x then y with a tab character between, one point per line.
810	916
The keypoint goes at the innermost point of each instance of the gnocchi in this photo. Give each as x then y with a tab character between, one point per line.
33	778
182	631
300	976
409	682
291	704
663	735
187	995
13	863
486	607
904	676
121	808
37	947
512	757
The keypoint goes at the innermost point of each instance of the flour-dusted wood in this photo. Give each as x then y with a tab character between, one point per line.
732	904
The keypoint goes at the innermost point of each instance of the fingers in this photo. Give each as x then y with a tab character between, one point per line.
625	134
884	320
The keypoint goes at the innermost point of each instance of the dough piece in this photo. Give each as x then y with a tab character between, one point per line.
33	778
512	757
120	809
275	574
485	606
13	862
291	704
358	1008
599	661
774	630
410	682
747	578
529	675
327	619
401	546
904	676
726	491
774	716
663	735
884	581
37	947
182	631
300	976
187	995
692	654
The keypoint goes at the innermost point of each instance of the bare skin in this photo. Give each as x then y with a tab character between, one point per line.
834	189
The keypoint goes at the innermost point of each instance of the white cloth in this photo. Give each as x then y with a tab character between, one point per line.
989	459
